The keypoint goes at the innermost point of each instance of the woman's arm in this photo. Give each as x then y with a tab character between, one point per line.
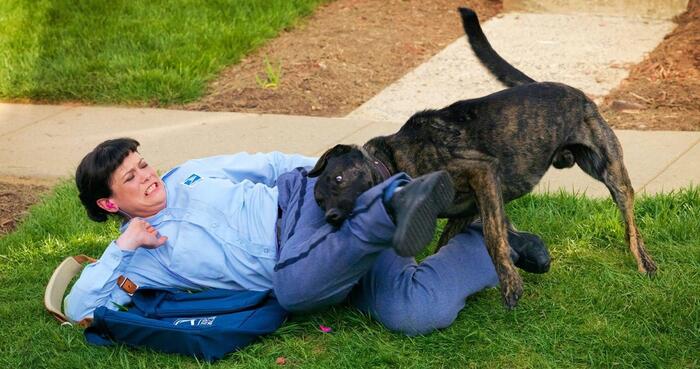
258	168
97	284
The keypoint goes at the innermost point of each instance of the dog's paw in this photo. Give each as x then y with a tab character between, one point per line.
645	264
648	266
511	290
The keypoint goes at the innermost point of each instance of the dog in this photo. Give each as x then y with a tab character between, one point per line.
496	148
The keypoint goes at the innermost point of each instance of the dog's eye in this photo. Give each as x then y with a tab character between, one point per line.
339	179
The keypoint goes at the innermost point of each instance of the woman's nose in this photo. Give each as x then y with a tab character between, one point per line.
145	176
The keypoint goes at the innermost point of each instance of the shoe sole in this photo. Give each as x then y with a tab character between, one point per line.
414	235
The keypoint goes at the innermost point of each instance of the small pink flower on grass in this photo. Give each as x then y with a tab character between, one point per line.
325	329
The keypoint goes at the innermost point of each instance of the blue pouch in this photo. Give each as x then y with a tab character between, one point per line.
206	324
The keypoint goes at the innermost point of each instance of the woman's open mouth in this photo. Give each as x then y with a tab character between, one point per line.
151	188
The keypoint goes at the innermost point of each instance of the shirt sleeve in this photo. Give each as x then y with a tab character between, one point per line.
257	168
97	285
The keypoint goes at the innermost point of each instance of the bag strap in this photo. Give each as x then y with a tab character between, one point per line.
58	283
127	285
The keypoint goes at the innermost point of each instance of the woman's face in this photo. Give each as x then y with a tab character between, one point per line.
136	189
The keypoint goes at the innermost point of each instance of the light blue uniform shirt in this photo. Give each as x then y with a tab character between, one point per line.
220	220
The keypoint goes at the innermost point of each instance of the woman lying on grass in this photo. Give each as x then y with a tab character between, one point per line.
250	222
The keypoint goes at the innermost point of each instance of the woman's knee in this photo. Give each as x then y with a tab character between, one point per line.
297	296
415	319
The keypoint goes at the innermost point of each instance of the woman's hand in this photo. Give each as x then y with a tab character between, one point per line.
139	233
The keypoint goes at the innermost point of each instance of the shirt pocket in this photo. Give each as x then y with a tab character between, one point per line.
197	255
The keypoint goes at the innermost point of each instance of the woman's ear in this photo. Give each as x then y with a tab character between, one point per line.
108	205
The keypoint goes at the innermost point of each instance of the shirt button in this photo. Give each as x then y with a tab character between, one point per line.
266	250
214	225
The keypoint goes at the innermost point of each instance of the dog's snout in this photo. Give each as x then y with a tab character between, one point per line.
334	217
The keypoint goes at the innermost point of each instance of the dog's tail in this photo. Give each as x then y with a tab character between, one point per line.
501	69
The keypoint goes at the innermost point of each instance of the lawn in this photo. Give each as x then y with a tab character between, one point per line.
591	310
130	51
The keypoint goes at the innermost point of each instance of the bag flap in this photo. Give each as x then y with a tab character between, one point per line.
166	303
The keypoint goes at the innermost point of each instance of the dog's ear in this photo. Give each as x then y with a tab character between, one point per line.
323	160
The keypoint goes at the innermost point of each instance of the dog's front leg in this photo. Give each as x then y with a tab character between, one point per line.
481	175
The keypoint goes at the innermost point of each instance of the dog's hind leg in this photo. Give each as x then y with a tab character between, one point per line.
601	158
479	172
452	228
457	225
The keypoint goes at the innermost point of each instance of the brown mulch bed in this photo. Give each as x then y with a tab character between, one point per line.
341	56
16	197
663	91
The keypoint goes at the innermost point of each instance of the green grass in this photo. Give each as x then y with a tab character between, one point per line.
591	310
271	76
130	51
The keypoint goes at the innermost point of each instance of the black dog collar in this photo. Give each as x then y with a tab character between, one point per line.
383	170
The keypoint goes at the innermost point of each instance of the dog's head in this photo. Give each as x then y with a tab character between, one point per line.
344	172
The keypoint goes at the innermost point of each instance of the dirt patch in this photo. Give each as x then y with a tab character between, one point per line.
341	56
16	196
662	92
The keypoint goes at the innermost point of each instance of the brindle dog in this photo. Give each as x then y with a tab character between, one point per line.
496	149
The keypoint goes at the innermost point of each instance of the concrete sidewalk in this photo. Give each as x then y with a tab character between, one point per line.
48	141
590	52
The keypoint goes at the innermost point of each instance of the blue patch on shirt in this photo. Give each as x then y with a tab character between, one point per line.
191	180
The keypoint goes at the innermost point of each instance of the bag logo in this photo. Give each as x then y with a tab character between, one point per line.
195	321
191	180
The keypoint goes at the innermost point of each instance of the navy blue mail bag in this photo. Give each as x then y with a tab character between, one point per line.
207	324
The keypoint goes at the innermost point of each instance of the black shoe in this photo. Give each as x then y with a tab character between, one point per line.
533	256
527	251
415	209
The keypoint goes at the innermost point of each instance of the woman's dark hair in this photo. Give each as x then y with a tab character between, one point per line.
95	171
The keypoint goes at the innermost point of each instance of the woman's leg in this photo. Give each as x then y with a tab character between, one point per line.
419	298
319	264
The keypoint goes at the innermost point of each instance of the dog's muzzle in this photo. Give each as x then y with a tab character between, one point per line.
335	217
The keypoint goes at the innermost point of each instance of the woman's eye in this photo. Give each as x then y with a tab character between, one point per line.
129	178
